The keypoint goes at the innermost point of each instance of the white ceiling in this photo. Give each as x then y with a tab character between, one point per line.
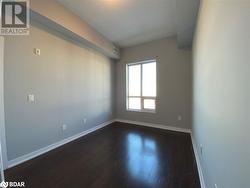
128	22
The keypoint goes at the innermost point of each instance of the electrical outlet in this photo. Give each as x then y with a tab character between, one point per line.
84	120
31	98
215	186
64	127
179	117
201	149
37	51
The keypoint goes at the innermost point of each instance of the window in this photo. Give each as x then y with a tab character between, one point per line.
141	86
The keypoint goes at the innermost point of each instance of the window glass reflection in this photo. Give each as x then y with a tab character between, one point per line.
142	158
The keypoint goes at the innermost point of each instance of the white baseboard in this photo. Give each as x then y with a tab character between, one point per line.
198	162
158	126
46	149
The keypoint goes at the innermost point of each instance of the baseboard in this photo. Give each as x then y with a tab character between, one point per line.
158	126
198	162
46	149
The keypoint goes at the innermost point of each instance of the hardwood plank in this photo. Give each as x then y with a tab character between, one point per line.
119	155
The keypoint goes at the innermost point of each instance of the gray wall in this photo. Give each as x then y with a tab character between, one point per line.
59	17
173	83
70	82
222	92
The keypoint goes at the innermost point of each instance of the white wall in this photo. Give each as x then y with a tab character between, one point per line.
221	114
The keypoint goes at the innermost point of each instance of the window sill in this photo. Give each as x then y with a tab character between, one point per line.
142	111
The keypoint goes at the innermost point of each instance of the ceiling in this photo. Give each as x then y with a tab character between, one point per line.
131	22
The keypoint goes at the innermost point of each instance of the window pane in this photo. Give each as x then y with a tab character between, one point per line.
149	79
134	103
134	80
149	104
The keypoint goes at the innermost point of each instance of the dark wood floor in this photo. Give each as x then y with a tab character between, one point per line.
119	155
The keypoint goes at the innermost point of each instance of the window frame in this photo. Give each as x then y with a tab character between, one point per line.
141	89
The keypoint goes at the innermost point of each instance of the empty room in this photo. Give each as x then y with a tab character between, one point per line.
125	93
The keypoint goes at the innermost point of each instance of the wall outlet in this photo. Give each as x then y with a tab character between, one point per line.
201	149
37	51
64	127
31	98
215	186
179	118
84	120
